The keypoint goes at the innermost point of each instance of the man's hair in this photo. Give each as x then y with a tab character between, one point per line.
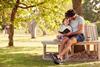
70	13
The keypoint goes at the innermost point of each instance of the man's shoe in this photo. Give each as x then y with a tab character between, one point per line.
55	59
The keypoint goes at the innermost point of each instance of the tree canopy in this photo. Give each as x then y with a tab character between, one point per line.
47	13
91	9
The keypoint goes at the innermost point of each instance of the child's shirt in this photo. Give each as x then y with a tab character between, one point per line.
65	29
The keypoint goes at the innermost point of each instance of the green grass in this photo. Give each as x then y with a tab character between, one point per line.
21	57
31	55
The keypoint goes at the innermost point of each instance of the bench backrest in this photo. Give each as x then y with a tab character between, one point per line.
91	32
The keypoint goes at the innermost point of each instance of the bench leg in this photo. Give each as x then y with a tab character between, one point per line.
44	50
72	50
95	47
98	50
58	48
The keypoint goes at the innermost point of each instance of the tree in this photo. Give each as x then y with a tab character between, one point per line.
13	13
77	6
91	10
11	26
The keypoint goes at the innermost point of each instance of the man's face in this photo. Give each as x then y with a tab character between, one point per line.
72	18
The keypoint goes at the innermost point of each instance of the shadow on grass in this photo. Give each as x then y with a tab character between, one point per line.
23	60
27	60
9	57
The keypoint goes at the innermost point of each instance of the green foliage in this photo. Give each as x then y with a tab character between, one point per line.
87	22
91	10
48	15
6	4
5	10
52	13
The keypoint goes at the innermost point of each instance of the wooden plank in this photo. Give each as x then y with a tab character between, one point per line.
50	42
98	50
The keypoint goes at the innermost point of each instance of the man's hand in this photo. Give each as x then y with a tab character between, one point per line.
69	33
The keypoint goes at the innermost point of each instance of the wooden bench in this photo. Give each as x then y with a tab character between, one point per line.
91	36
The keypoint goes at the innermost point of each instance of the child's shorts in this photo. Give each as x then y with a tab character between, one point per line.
79	37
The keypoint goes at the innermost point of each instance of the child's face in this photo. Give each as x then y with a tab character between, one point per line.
66	22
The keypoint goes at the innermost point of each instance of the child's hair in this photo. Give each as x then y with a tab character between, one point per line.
64	20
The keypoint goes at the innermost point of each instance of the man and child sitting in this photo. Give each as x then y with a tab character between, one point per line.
71	32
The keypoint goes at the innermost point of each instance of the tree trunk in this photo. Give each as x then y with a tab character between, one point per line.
11	33
11	26
44	32
77	6
32	28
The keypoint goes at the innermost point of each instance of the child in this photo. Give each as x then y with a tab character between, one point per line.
64	28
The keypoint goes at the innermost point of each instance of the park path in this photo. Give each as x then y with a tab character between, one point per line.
24	40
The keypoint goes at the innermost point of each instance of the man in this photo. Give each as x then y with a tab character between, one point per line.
77	35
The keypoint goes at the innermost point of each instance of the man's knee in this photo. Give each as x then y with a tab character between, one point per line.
73	40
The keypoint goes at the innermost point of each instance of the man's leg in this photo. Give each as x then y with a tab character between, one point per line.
70	42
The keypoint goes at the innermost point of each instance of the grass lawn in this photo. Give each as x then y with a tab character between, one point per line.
28	53
31	57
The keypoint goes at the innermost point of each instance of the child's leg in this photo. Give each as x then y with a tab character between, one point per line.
68	45
62	44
